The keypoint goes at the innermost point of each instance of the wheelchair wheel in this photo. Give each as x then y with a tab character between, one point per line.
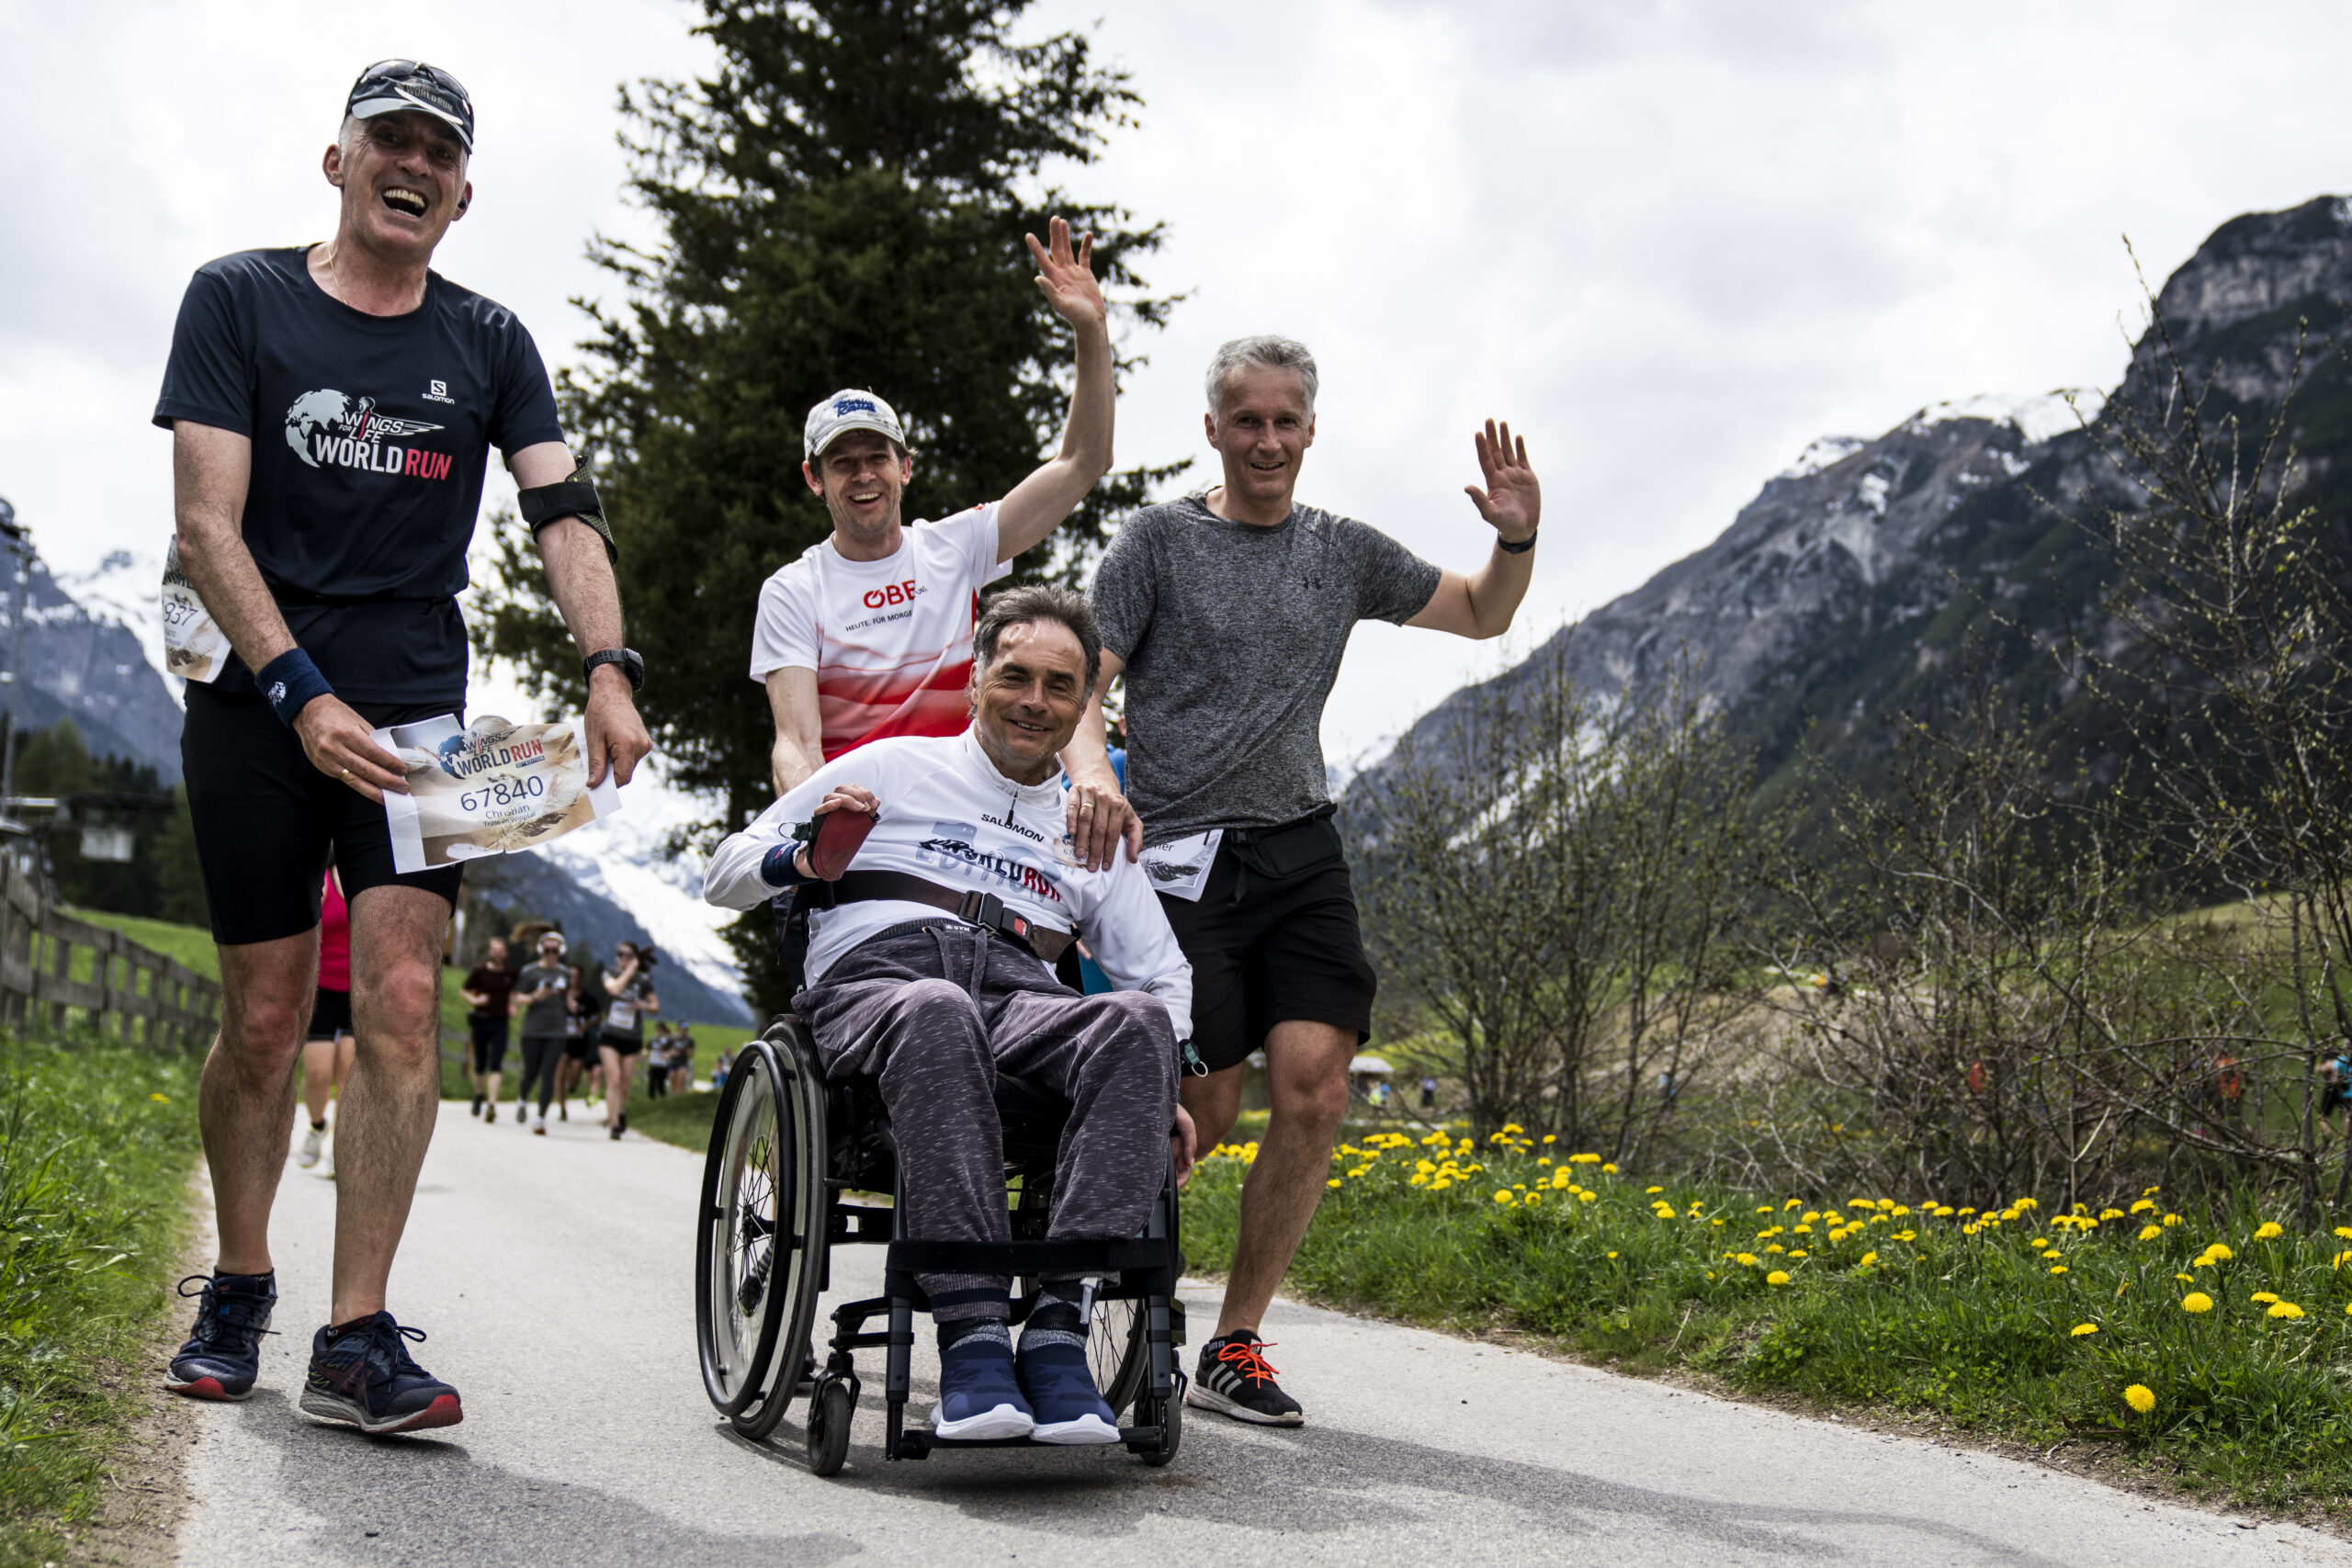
828	1417
1115	1344
758	1247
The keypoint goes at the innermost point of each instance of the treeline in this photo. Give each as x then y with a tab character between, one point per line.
161	881
2002	961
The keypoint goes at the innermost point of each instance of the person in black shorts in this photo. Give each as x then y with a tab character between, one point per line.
1229	612
487	991
630	998
331	409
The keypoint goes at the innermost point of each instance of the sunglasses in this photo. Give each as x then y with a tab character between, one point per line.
414	72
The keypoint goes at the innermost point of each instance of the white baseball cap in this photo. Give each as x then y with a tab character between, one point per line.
846	411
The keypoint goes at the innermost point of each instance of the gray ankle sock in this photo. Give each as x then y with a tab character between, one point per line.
973	1328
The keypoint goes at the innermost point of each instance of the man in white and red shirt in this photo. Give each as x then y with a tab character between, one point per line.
869	634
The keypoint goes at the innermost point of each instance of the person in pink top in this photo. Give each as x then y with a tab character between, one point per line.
326	1054
869	633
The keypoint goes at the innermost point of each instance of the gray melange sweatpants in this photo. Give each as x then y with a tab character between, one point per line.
937	1014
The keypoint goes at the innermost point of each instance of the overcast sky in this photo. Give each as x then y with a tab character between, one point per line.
1672	244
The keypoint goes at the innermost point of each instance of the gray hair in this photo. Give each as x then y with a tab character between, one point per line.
1274	353
1022	606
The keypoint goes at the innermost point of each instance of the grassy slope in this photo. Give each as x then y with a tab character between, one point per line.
1905	1309
96	1146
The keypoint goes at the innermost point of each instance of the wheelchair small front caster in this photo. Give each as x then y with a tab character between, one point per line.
830	1408
1171	1426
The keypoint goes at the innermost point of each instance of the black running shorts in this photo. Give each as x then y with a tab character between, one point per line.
1286	948
329	1014
489	1041
264	817
627	1044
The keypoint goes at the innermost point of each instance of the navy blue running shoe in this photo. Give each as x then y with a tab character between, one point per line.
222	1356
1062	1395
363	1375
979	1397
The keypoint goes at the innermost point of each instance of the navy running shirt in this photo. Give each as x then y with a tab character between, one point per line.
369	435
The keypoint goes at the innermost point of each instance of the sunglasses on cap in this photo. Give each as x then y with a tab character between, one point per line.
390	86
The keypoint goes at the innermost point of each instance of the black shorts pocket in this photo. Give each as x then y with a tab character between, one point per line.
1292	850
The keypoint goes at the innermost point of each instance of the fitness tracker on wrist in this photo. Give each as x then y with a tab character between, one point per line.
632	665
1520	548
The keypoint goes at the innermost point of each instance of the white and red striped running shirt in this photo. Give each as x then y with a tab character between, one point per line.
891	640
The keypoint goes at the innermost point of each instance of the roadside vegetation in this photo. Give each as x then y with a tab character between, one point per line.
96	1143
2208	1344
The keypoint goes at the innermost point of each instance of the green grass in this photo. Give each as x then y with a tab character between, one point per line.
680	1119
191	945
1890	1302
97	1143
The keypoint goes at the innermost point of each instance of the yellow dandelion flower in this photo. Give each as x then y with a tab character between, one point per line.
2186	1278
1648	1190
161	1099
1774	1247
2150	1232
2139	1397
1964	1212
1419	1181
1441	1184
1867	1258
1587	1196
2344	1231
2219	1253
1608	1170
1776	1276
1746	1260
2038	1243
1546	1159
1907	1235
2082	1329
2110	1213
2171	1220
2259	1297
1333	1182
2340	1259
2196	1301
1503	1195
1791	1203
2285	1309
1551	1137
2268	1229
2060	1269
1535	1197
1613	1254
2144	1206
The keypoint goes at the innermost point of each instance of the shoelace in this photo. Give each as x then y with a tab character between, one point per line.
214	1325
387	1344
1243	1355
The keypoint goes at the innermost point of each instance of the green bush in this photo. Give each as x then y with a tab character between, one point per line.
97	1143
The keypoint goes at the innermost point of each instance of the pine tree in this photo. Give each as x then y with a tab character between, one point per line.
841	203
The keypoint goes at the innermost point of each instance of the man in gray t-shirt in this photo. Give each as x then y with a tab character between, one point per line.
1227	613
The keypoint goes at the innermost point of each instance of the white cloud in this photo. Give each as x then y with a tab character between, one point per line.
1673	242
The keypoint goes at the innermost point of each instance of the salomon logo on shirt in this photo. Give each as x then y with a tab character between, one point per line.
327	429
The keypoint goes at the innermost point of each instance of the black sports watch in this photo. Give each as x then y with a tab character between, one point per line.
632	665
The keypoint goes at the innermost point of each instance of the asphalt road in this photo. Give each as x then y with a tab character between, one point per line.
553	1275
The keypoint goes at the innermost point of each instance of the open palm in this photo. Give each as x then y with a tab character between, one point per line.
1512	501
1067	276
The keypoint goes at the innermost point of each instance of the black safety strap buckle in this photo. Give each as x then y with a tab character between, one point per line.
988	910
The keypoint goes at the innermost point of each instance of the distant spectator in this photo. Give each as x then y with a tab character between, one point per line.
1428	1094
633	999
543	990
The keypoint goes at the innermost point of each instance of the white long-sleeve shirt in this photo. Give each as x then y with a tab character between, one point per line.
948	817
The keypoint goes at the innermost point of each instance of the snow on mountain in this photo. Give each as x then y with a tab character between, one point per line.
124	590
2037	418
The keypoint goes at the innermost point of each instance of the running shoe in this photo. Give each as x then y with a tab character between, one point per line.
364	1376
1062	1397
315	1140
1236	1379
978	1395
222	1356
477	1110
540	1127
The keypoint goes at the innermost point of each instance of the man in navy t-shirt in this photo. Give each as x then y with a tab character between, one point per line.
332	408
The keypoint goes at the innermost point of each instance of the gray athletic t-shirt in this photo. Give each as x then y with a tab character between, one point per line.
1232	635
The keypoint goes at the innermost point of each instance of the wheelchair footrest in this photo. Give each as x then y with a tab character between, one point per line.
922	1436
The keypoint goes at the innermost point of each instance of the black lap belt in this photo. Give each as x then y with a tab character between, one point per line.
980	908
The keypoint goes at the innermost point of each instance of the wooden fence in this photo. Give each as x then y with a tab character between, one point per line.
131	992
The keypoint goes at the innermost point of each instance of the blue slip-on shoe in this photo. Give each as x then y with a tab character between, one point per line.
223	1356
978	1395
1062	1395
364	1376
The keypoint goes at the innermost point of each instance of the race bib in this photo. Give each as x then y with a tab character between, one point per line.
1180	868
195	648
489	789
621	1015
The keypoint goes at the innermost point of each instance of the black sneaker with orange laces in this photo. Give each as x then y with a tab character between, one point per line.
1236	1379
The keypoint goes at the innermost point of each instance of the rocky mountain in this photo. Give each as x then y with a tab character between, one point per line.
83	662
1862	580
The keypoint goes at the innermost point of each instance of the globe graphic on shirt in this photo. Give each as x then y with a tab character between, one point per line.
327	412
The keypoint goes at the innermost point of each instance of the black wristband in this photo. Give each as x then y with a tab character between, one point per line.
631	664
290	681
1520	548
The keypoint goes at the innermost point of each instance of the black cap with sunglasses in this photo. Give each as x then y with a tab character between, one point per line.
390	86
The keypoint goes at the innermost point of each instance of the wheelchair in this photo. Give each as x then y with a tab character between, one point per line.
786	1148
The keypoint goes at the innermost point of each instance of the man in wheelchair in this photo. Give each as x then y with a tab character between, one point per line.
942	888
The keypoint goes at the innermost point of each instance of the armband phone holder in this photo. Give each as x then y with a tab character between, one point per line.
575	497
